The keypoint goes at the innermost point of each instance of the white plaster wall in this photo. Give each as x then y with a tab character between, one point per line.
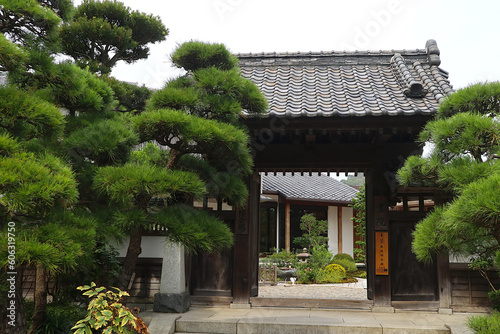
333	238
347	231
152	246
459	259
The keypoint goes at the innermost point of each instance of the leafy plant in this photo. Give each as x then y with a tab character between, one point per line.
349	266
312	270
307	275
59	318
282	258
313	232
489	324
324	277
359	220
107	313
320	257
494	297
343	256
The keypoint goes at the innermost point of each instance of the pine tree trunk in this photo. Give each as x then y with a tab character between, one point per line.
40	299
133	251
174	158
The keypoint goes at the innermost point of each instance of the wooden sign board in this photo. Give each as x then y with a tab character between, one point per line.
381	253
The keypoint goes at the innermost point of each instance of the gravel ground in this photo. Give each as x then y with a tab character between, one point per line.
347	291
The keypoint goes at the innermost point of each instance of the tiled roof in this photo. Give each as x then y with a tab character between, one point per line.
305	187
359	83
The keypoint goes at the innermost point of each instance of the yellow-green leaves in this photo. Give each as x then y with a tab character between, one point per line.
107	313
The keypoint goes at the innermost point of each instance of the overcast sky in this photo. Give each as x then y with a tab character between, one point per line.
467	32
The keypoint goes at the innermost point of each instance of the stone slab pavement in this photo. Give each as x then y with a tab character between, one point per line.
303	321
346	291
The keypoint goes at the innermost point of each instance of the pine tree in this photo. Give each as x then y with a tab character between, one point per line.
464	163
207	154
105	32
39	192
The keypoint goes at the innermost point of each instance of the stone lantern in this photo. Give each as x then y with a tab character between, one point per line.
304	255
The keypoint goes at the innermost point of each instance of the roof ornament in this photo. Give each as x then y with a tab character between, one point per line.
433	53
412	87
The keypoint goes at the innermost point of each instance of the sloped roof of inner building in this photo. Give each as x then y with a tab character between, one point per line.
359	83
306	187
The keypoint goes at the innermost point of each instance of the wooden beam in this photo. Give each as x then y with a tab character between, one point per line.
339	229
444	281
287	226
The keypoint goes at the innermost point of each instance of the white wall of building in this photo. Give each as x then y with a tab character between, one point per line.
347	230
333	235
152	247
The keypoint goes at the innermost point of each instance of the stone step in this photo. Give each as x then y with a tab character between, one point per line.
299	326
270	320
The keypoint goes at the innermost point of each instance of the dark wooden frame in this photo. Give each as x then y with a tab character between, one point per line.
376	146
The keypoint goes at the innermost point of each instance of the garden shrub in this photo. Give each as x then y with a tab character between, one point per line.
494	297
59	317
349	266
343	256
361	274
336	268
320	257
107	313
333	273
308	276
489	324
282	258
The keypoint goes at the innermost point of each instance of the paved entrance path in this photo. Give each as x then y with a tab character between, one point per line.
347	291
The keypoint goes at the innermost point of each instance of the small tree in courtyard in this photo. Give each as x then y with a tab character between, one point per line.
359	220
314	231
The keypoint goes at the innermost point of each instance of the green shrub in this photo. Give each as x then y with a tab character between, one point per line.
361	274
489	324
329	277
349	266
333	273
106	313
494	297
307	276
282	259
320	257
343	256
336	269
59	317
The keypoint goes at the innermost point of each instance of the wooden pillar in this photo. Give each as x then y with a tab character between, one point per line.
287	227
278	224
246	247
377	207
339	229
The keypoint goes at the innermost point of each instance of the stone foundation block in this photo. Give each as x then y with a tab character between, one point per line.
171	302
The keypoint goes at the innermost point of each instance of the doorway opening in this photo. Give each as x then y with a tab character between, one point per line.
297	255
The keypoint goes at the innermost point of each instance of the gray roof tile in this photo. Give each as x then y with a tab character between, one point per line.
405	82
305	187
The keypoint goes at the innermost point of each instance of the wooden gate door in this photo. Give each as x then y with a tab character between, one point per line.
211	274
411	280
